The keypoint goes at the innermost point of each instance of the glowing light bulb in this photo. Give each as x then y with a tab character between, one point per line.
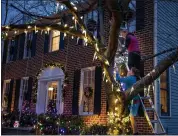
29	27
107	62
65	25
97	49
25	31
7	27
75	8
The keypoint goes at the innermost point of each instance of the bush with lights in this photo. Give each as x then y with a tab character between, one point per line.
95	130
28	117
9	118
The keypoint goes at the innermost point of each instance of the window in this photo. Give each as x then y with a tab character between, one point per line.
130	22
28	45
11	49
91	21
87	80
6	91
55	36
23	91
52	93
164	94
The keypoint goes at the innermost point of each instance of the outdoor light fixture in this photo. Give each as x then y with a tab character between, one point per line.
50	88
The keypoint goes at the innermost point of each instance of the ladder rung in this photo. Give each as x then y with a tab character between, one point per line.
146	97
154	121
149	109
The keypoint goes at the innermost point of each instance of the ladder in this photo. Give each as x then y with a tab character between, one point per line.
156	121
152	123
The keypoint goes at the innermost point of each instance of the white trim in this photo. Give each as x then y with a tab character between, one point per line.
81	90
4	88
51	78
25	78
88	68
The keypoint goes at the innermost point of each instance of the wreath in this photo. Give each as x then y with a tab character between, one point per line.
88	92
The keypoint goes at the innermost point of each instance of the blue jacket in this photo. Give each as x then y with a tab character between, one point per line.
128	81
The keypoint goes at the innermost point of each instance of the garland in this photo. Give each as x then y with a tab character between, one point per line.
35	86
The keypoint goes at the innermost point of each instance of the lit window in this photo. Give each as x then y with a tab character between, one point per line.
6	91
164	94
87	81
55	41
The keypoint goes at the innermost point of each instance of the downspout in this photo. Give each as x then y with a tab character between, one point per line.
156	82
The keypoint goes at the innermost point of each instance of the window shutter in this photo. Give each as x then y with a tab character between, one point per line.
76	86
34	43
29	93
10	95
2	83
17	93
80	41
16	47
97	96
5	51
46	43
22	42
61	43
140	13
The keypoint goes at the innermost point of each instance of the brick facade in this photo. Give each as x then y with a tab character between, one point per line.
76	57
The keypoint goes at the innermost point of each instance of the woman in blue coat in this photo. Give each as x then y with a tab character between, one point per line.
132	77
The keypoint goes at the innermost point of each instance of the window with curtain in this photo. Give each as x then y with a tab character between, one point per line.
87	82
164	94
11	49
55	40
93	15
28	45
23	92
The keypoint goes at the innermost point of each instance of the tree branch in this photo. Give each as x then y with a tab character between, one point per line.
6	12
153	75
34	15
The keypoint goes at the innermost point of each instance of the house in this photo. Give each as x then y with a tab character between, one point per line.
34	67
